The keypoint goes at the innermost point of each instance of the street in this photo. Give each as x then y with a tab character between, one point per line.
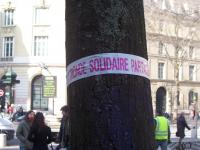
13	144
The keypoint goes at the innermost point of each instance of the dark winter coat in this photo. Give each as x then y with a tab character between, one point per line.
63	135
40	137
181	125
22	134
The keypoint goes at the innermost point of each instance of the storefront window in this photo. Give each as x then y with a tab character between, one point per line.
38	101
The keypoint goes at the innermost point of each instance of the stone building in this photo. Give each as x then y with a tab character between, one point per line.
173	43
32	46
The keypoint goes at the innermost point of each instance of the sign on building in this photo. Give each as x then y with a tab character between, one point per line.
49	86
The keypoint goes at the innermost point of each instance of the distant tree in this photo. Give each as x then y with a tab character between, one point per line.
108	111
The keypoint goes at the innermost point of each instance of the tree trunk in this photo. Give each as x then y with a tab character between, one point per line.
108	111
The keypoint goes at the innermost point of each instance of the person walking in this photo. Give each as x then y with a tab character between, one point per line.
181	125
162	131
63	136
10	110
23	130
40	133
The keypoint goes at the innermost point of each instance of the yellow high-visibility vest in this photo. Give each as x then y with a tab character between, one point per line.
161	132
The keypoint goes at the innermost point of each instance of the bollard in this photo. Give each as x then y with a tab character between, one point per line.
2	140
194	132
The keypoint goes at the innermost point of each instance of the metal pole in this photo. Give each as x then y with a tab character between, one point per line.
53	106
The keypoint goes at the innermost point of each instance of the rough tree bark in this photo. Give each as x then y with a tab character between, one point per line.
112	111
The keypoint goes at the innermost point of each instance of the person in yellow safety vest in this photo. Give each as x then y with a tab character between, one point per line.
162	131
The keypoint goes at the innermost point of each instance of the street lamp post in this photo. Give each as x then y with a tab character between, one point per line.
195	126
175	114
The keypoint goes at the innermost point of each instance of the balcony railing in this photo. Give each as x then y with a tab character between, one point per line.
6	58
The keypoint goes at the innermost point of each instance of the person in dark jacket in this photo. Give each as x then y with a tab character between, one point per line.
181	125
40	133
63	136
23	131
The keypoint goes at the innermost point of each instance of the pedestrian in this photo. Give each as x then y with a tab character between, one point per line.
7	106
40	133
10	110
17	114
192	111
162	131
181	125
63	136
23	130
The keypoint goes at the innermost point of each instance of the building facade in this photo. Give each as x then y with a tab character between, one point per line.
173	43
32	46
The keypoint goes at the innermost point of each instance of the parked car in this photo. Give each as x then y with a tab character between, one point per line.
7	127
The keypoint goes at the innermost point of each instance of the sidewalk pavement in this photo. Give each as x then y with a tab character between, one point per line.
14	145
11	145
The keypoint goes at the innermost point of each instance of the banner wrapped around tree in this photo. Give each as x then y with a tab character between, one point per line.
107	75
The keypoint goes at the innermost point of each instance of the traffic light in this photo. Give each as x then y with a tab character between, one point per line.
6	79
10	78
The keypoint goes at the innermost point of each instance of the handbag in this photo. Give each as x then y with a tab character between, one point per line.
63	148
59	149
177	134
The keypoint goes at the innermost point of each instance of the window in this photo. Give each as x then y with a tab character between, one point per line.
161	99
180	73
191	51
161	25
8	47
38	101
40	45
167	3
171	3
160	48
41	16
178	98
185	6
178	52
193	96
182	9
160	70
8	17
161	4
191	93
191	73
190	11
